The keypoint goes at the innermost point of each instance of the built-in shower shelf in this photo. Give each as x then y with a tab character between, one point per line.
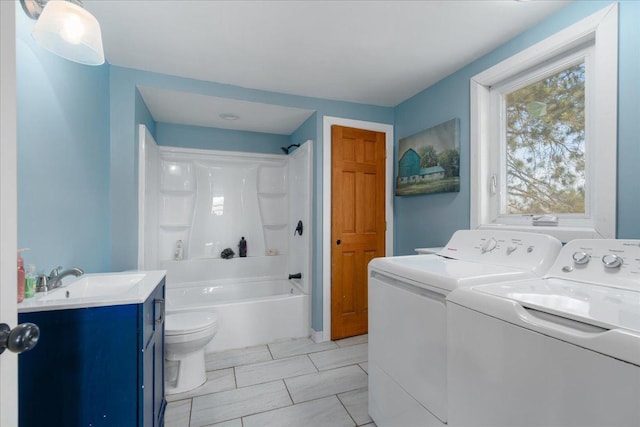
271	195
175	226
274	226
177	192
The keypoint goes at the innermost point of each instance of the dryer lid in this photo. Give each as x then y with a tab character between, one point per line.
444	273
600	306
178	323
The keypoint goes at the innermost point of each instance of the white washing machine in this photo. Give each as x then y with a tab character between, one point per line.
563	350
407	316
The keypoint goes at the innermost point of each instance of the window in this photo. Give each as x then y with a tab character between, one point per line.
539	131
544	135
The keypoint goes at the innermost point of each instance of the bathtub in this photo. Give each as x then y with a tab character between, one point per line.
250	312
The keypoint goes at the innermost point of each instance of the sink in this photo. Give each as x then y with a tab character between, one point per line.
96	290
94	286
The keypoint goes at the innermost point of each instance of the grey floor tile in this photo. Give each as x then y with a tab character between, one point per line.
219	380
263	372
240	402
177	414
365	366
342	356
370	425
325	383
232	423
242	356
357	404
316	413
358	339
299	346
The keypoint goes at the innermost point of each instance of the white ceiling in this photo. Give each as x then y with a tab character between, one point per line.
202	110
370	52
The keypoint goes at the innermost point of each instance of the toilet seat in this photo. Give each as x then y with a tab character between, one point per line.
190	323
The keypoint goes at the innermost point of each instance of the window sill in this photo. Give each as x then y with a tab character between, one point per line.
564	234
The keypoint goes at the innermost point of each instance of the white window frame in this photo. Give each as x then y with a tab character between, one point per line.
583	54
601	29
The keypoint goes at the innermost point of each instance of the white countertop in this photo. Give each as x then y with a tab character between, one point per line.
137	294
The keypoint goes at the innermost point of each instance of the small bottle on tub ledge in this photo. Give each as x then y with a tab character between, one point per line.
242	248
178	254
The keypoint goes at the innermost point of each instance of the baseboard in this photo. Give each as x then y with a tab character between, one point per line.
317	336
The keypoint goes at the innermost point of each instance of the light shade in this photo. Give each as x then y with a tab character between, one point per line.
71	32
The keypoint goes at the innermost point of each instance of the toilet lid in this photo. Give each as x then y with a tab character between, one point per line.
180	323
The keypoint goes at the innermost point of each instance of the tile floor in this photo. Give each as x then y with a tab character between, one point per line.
288	383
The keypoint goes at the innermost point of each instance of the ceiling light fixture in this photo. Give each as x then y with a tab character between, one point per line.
229	116
65	28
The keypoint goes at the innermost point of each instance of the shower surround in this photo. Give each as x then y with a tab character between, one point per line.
196	203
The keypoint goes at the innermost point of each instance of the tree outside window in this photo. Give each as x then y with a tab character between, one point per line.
545	145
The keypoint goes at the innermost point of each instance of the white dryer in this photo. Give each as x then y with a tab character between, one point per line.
563	350
407	316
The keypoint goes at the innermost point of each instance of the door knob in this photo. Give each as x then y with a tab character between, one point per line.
338	242
19	339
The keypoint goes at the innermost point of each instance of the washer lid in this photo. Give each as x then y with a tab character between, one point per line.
601	306
446	273
178	323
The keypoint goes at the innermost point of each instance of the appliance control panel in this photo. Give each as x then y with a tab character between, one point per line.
606	262
529	251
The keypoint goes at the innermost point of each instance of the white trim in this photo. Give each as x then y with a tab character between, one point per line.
142	136
603	27
327	122
8	209
317	336
220	155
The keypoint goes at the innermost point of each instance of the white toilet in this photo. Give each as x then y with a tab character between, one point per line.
185	337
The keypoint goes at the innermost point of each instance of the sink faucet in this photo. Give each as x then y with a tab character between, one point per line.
54	279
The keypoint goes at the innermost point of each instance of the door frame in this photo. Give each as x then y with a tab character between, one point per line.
329	121
8	209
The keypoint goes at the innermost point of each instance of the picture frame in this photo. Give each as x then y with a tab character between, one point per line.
429	161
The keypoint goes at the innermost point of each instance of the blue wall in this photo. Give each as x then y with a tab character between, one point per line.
174	135
430	220
307	131
63	157
629	121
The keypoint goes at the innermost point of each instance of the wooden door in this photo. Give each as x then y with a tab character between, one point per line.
357	223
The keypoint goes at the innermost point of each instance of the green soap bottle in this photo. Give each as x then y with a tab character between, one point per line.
30	281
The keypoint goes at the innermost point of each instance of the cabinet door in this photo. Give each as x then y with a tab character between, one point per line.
83	371
159	402
153	403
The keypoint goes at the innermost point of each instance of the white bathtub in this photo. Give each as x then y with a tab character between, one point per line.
250	312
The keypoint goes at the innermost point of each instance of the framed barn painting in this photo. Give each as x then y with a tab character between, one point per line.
429	161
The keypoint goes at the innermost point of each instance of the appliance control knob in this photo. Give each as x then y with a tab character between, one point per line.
511	249
489	245
581	258
612	261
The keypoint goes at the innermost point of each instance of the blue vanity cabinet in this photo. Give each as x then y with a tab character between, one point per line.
97	366
152	360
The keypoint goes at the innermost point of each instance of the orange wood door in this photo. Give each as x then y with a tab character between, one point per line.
357	223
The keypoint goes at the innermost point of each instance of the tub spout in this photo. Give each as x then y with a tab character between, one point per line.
295	276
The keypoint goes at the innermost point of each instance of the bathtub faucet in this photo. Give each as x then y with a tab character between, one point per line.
295	276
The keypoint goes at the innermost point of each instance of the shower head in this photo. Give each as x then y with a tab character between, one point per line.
286	149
